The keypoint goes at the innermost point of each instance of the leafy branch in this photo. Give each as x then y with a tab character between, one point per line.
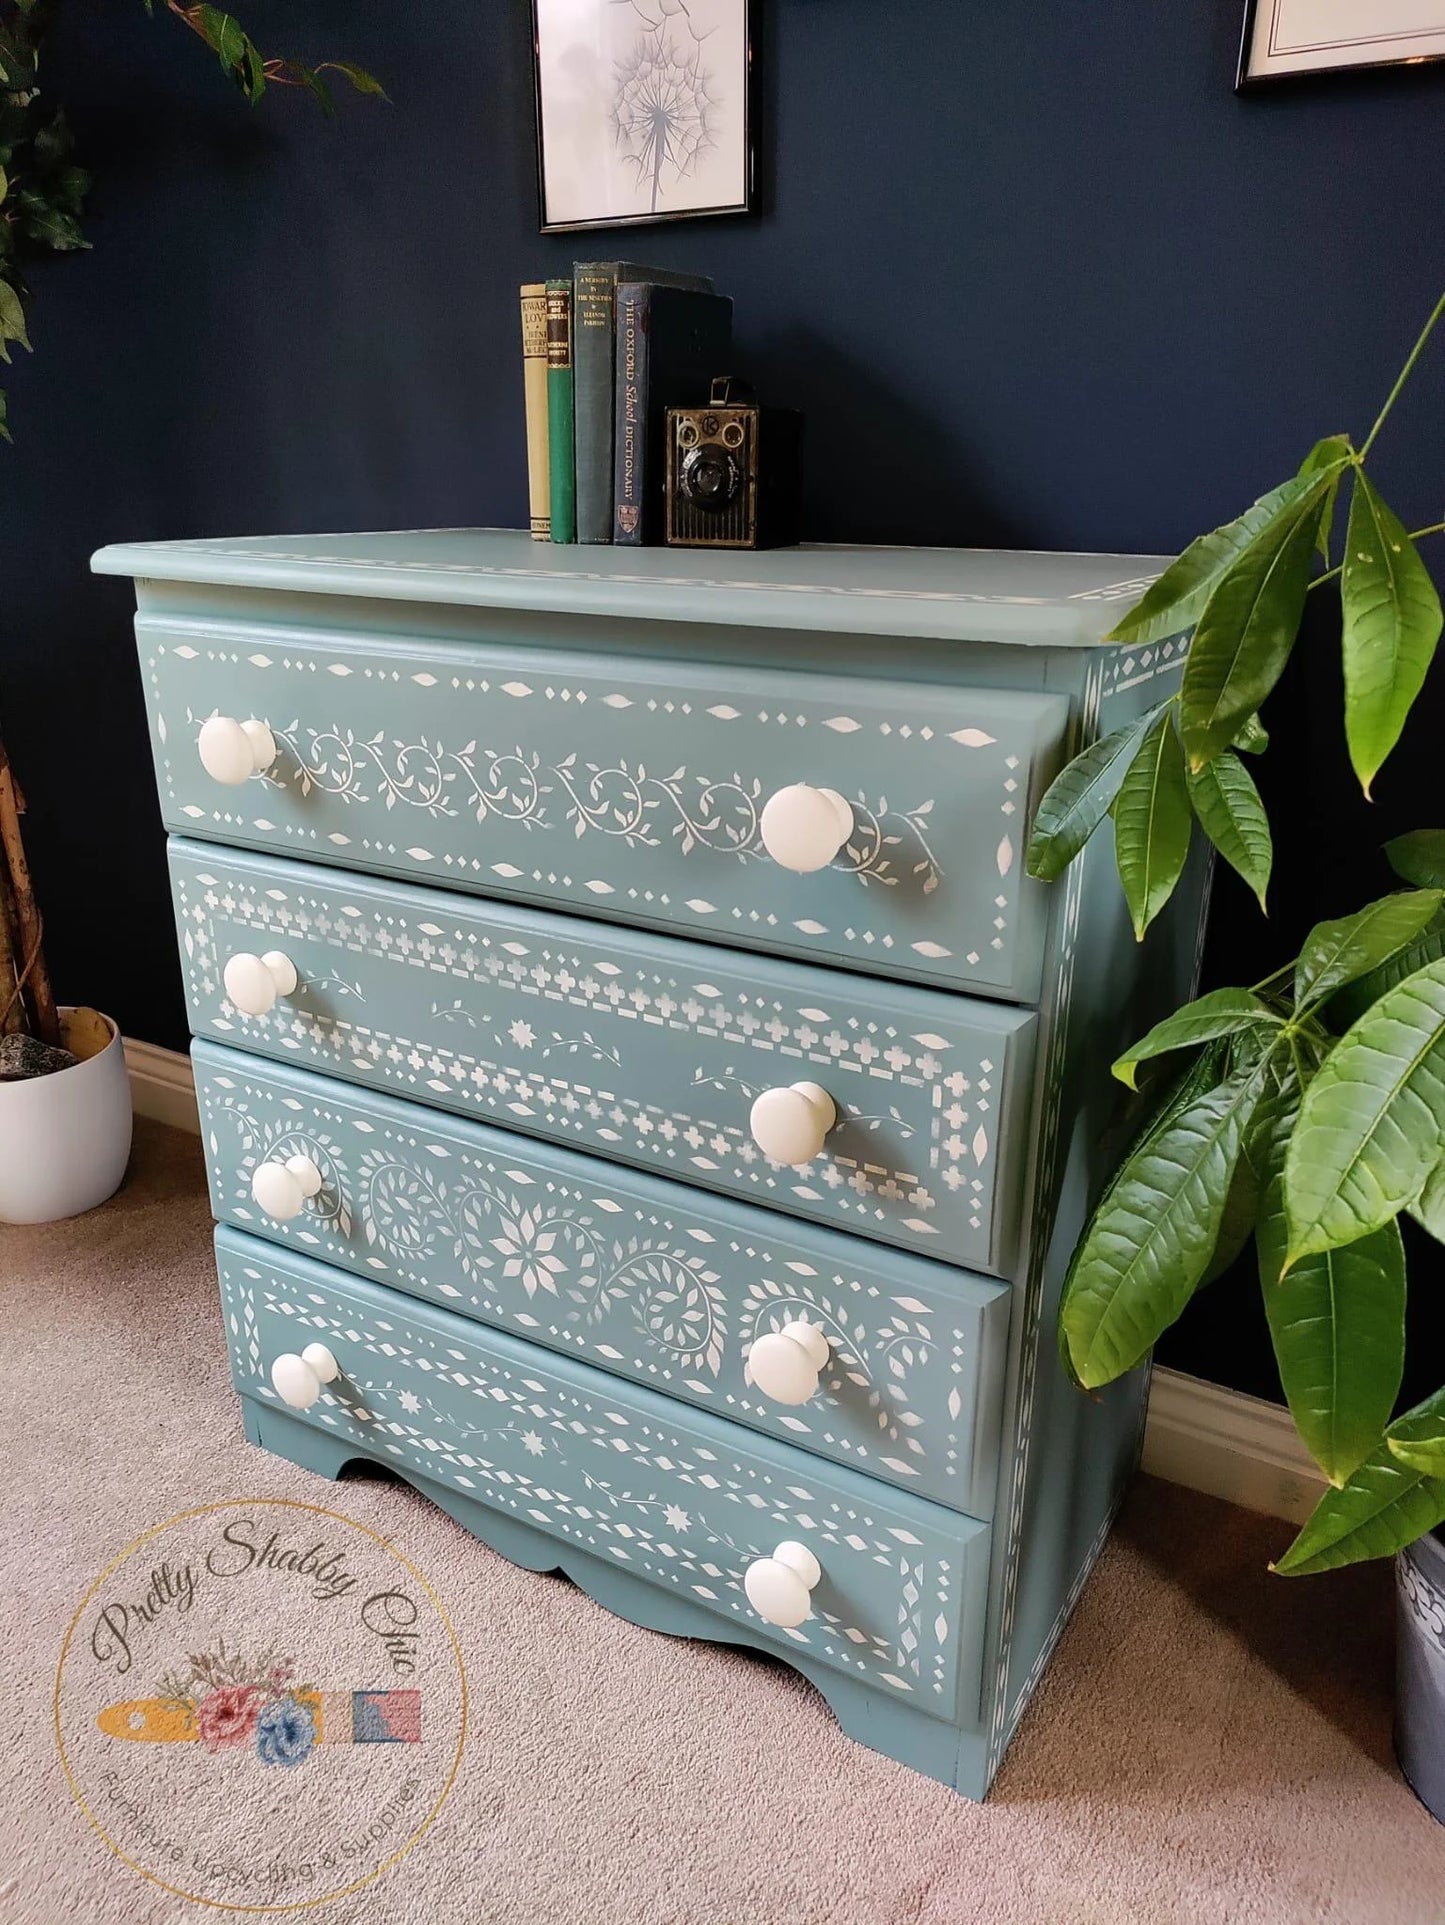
1309	1116
43	189
1242	589
253	71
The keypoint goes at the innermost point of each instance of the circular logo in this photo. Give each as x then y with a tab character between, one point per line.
260	1705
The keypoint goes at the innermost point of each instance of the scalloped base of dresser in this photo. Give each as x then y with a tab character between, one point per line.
957	1758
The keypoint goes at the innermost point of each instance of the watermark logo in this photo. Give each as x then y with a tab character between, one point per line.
260	1705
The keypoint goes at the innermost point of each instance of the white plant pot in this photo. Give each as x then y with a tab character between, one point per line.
65	1138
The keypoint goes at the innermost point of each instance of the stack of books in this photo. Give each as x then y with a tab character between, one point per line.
604	355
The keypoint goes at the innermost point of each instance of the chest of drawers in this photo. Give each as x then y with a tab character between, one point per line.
646	1103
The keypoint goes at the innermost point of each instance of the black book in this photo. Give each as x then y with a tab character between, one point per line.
671	341
594	358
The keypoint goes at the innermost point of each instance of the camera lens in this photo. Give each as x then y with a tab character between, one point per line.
732	434
710	477
686	434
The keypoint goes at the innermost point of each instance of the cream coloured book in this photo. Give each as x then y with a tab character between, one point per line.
534	378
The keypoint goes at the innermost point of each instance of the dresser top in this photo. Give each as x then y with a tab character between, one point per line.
947	594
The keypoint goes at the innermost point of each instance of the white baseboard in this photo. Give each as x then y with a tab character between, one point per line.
1229	1445
1198	1434
162	1086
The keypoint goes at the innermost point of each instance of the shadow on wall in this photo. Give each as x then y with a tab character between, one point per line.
857	429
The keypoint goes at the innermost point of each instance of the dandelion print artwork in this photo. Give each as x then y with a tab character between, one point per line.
642	110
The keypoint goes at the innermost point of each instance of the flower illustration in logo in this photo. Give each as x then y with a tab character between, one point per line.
227	1715
285	1732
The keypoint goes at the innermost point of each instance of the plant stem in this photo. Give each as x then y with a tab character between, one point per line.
1416	534
1273	977
1404	375
31	960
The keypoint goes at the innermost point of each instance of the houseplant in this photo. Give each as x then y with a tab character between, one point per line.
64	1098
65	1116
43	189
1306	1110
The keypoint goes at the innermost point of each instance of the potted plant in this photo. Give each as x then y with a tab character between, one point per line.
65	1114
1306	1110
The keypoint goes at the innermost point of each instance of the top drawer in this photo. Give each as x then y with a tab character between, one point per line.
633	789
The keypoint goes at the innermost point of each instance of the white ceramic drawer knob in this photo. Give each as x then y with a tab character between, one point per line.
780	1587
232	751
254	982
281	1189
786	1363
297	1380
789	1125
803	828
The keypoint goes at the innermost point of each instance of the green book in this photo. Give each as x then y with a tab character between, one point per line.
561	455
594	359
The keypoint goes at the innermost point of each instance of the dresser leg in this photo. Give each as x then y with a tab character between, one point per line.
286	1436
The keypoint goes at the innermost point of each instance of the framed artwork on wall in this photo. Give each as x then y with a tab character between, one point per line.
644	110
1291	37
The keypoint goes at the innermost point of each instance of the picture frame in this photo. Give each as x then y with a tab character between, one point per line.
609	152
1294	39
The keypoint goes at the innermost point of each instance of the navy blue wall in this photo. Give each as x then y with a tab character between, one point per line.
1036	274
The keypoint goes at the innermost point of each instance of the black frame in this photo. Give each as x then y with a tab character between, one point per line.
1246	82
750	189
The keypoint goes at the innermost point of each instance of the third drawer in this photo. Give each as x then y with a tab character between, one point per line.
646	1279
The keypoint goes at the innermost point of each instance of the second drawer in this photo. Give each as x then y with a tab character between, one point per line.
639	1047
647	1279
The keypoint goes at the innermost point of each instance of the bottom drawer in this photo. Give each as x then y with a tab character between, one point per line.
678	1498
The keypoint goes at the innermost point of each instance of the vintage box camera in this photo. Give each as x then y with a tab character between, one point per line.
734	472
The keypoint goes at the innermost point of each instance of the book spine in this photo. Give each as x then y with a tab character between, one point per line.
593	357
534	385
561	466
629	481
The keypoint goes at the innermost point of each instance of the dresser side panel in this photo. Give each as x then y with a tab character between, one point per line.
1067	1457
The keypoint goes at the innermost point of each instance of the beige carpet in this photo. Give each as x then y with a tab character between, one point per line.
1210	1744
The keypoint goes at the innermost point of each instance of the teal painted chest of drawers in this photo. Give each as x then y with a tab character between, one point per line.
646	1103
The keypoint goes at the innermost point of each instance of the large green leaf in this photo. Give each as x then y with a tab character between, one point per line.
1428	1209
1330	454
1392	623
1253	738
1383	1506
1338	1326
1349	1003
1221	1013
1418	1438
1078	799
12	318
1152	823
1178	598
1248	627
1372	1121
1419	857
1336	953
1151	1239
223	33
1232	816
361	80
1265	1142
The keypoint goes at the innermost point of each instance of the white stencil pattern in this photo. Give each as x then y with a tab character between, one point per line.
632	1491
944	1087
588	1269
